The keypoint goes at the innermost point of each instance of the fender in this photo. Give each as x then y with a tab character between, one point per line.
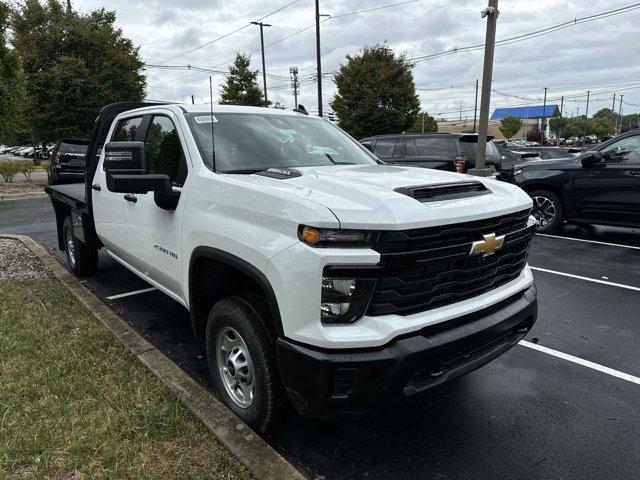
242	266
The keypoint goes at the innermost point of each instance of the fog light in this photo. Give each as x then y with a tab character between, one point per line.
344	300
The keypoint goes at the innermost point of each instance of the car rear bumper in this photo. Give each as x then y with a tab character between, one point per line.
350	383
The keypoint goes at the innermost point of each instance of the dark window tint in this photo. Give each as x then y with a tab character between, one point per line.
552	154
625	151
127	129
410	148
435	147
163	151
385	148
73	148
470	149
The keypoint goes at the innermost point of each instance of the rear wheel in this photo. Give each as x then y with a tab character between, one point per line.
242	362
547	209
82	259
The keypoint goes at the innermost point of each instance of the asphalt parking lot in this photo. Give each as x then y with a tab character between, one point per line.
570	410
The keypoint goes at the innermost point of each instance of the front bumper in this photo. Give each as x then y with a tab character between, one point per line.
350	383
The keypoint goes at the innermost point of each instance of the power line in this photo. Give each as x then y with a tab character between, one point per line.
519	37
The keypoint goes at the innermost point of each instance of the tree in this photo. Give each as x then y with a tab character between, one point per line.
510	125
241	84
430	124
376	93
74	65
11	80
600	126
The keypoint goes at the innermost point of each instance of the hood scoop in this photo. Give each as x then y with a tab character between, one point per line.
444	191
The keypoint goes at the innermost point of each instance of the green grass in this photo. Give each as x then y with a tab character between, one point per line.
75	404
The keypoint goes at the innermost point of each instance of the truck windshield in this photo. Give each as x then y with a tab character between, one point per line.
248	142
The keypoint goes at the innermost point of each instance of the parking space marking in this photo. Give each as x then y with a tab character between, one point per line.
587	279
128	294
587	241
582	361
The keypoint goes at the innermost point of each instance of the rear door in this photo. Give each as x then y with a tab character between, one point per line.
437	152
609	191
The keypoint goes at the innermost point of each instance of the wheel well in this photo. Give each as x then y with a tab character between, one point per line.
215	275
530	187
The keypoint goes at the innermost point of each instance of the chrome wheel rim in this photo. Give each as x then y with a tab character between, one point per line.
235	367
71	249
544	210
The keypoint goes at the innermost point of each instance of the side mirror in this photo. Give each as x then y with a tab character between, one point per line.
591	158
125	157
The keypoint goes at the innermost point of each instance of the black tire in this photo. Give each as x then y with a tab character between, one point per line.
548	210
82	259
247	316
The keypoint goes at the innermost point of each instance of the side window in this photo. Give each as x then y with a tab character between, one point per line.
436	147
127	129
626	151
410	148
384	148
163	151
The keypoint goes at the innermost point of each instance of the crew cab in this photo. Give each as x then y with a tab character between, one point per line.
312	271
601	186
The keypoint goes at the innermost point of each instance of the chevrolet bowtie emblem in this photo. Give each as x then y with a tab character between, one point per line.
488	246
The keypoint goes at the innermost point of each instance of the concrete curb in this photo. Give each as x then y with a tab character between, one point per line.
242	442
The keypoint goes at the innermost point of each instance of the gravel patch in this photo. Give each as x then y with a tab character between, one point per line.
18	263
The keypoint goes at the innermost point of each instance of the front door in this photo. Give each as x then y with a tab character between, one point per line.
609	191
155	236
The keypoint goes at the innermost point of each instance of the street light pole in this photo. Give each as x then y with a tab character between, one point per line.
295	84
491	12
264	68
318	62
475	108
586	114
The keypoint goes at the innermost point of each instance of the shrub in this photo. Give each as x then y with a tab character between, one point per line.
26	167
8	170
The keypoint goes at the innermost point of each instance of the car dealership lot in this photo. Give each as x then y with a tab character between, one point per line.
528	414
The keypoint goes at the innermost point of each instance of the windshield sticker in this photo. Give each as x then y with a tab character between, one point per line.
206	119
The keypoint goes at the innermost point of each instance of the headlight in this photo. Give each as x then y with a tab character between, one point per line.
333	237
345	300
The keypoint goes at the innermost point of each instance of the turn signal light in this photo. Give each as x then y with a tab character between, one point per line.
309	235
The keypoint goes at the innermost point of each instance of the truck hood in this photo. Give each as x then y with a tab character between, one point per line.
364	196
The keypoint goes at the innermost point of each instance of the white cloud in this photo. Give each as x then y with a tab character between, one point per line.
570	61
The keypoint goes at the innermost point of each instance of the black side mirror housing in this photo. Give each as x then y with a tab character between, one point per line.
125	157
591	158
167	200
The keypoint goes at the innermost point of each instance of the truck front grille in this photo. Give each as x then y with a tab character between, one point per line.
426	268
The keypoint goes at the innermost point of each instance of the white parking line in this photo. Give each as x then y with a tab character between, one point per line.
583	362
587	279
587	241
128	294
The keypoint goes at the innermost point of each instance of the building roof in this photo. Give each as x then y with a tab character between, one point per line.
530	111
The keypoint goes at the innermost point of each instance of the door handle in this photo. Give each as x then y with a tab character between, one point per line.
130	198
96	187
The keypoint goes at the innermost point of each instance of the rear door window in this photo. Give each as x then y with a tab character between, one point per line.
434	147
387	148
127	129
77	148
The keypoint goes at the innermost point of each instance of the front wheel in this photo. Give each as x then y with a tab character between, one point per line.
82	259
242	362
547	209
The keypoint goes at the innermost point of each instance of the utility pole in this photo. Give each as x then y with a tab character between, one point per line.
544	116
619	130
560	122
491	12
68	5
460	119
293	71
318	62
423	116
586	114
264	68
475	108
613	107
193	100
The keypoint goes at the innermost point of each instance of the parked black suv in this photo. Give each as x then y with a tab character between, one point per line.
67	161
601	186
455	152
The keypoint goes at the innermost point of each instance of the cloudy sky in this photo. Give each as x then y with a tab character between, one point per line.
600	55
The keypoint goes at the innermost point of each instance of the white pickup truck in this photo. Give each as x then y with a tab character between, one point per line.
312	271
